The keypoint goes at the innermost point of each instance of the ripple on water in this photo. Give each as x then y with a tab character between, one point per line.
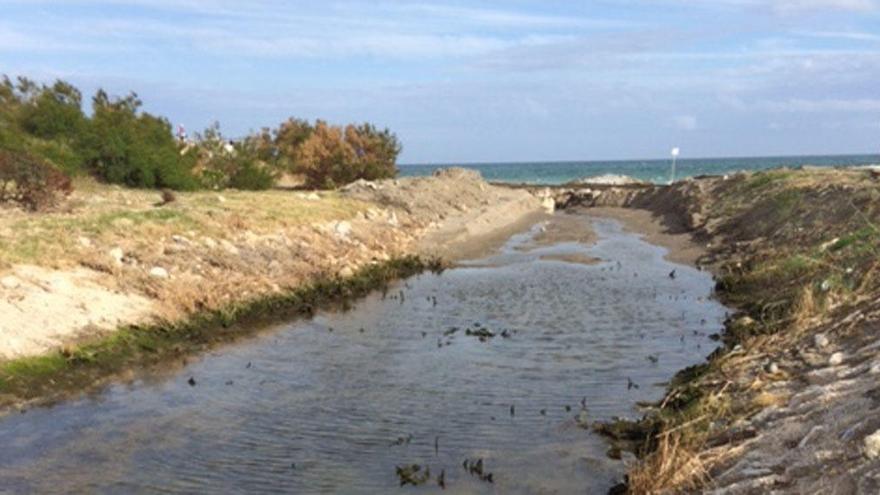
319	411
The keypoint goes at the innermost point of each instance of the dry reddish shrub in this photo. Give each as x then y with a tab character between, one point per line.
31	182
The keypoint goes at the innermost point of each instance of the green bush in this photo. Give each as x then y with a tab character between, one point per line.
53	112
125	146
119	143
223	164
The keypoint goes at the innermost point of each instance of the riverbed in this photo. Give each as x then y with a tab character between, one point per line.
503	359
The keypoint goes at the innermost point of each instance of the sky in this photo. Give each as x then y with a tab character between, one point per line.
480	81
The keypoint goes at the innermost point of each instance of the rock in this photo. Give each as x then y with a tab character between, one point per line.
548	204
180	240
313	197
210	243
872	445
820	340
117	254
772	368
10	282
346	272
221	199
342	228
85	242
158	272
835	359
229	247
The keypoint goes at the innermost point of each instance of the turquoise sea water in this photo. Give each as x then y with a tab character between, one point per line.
649	170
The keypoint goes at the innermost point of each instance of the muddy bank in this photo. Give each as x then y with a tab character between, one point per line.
788	404
111	258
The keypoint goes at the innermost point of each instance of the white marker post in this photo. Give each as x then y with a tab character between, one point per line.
675	152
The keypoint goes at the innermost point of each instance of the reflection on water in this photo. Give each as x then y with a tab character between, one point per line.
335	404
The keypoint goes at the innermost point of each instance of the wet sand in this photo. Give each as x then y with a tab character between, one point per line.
681	247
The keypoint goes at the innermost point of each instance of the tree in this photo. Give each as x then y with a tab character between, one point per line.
126	146
53	111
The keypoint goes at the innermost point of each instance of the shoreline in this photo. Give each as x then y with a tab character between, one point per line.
790	389
384	234
794	252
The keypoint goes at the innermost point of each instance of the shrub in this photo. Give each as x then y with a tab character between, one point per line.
332	156
125	146
53	112
31	182
223	164
252	177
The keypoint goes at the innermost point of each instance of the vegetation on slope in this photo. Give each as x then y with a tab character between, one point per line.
791	250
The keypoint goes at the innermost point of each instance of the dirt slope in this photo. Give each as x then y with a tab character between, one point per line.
113	256
791	403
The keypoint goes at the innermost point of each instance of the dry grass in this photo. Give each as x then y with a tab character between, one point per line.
674	466
101	217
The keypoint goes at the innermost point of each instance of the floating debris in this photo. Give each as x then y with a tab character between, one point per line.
402	440
441	480
481	333
475	468
437	446
413	475
512	410
631	384
451	331
614	453
654	359
191	381
672	274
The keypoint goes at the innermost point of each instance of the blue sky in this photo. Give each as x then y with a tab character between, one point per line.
466	81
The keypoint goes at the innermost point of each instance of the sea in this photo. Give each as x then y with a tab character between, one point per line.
657	171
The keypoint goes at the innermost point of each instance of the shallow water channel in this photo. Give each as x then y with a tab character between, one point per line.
335	404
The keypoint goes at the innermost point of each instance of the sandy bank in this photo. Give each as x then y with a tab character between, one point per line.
112	257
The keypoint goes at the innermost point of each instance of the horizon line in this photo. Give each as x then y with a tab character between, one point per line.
618	160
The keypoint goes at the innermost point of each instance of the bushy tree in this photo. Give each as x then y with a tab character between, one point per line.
332	156
126	146
52	111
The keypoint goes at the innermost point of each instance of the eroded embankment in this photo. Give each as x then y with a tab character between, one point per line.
791	401
115	280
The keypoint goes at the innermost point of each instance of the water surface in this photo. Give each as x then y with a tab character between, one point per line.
334	404
657	171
